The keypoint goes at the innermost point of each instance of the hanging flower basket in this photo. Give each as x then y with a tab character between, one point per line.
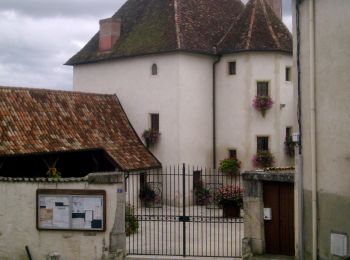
151	136
263	159
289	146
262	104
147	195
230	166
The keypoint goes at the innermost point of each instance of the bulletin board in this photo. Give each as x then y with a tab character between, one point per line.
83	210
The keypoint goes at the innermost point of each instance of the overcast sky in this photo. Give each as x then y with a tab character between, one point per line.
38	36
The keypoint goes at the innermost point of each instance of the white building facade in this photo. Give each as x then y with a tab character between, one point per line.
200	119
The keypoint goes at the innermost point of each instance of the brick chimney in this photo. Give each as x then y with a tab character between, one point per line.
276	6
109	33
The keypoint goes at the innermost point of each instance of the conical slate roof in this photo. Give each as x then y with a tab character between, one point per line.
257	29
156	26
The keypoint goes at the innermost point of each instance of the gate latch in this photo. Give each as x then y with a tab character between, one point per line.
184	218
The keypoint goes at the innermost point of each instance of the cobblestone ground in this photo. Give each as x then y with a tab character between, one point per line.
207	233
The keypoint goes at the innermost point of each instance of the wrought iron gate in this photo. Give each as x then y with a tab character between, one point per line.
177	211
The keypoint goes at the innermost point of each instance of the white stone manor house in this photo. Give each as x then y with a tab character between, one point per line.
191	69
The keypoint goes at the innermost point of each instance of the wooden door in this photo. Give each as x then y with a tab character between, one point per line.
279	231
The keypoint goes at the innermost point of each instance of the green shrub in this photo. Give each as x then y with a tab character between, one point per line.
131	221
230	166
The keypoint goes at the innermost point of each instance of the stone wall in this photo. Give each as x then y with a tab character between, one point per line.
18	220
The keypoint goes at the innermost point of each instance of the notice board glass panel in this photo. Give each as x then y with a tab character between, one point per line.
83	210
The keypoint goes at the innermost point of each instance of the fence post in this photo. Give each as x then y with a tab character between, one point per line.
184	208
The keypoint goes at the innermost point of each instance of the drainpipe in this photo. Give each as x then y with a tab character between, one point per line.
216	61
313	127
298	152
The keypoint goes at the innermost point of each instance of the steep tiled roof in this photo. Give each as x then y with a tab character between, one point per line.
156	26
40	121
257	29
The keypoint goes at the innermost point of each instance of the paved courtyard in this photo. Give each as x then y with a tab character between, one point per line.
207	232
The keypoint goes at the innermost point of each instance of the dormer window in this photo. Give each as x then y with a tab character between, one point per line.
154	69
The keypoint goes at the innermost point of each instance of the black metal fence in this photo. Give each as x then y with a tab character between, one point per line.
182	211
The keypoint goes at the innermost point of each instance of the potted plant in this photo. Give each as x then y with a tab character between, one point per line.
147	195
202	195
131	221
263	159
289	146
230	198
262	104
230	166
151	136
53	173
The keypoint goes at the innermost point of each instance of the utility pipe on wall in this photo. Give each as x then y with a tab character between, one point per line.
216	61
299	158
313	127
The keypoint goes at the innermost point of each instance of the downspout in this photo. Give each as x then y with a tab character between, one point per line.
216	61
313	127
299	157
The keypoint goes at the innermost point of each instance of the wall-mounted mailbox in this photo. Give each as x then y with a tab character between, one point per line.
267	214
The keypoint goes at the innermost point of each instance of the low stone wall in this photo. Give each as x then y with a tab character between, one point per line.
18	220
254	234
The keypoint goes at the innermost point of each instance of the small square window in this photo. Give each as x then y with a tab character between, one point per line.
263	88
232	153
232	68
155	122
262	143
288	74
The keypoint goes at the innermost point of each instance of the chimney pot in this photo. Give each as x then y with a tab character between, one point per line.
109	33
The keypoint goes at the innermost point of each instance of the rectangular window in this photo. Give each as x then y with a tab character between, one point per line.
155	122
262	143
263	88
288	131
288	74
232	68
197	179
232	153
143	179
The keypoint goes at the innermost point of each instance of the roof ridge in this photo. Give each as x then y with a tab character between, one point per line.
54	91
269	26
251	23
230	28
177	24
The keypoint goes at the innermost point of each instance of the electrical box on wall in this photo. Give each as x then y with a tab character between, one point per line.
339	244
296	137
267	214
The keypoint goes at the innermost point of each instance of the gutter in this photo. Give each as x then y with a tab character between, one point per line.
216	61
313	127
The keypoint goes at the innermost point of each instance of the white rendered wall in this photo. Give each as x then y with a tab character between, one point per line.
18	224
195	110
180	93
238	123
